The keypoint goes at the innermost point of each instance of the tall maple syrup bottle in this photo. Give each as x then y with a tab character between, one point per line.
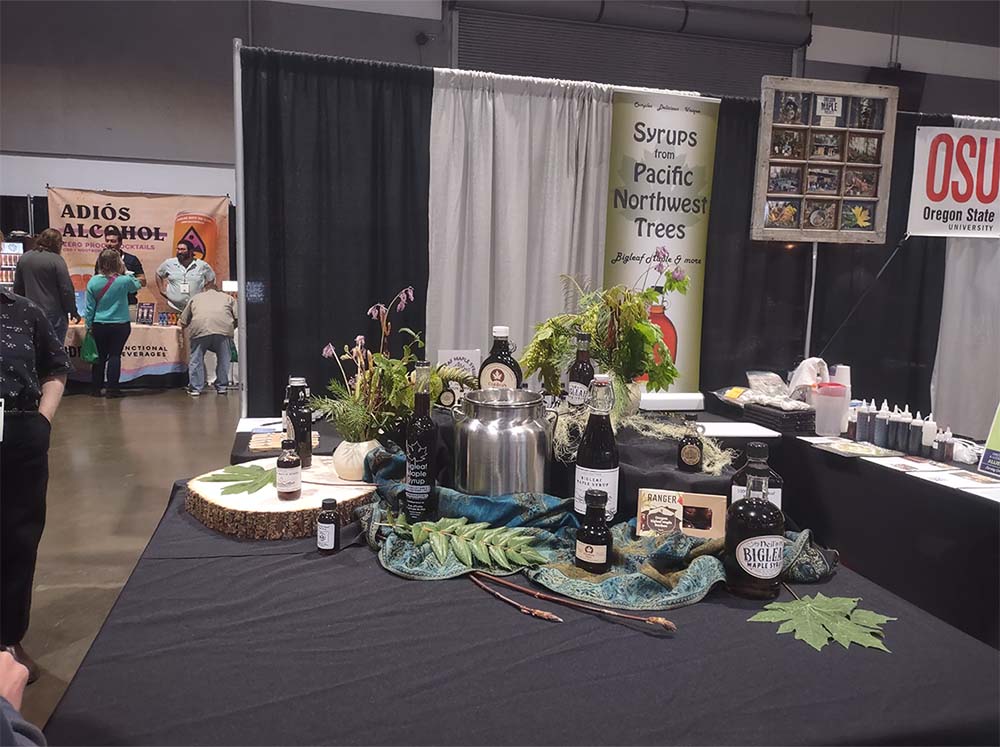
421	443
755	543
597	457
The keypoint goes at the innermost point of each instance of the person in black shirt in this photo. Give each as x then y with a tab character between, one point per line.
42	276
33	369
113	240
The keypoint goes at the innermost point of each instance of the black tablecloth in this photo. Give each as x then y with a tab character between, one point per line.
933	545
302	649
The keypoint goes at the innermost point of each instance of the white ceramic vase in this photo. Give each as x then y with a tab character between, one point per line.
634	398
349	458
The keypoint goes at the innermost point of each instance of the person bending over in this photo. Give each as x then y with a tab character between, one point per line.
210	318
32	380
107	318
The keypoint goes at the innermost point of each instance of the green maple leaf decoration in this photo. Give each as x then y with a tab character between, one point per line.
820	619
245	478
472	544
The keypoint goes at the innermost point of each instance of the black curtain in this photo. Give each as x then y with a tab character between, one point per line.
891	341
336	156
756	292
13	213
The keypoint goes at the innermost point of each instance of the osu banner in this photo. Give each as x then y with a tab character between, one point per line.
150	225
660	186
956	182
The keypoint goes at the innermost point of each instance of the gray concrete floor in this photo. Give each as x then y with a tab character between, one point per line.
112	464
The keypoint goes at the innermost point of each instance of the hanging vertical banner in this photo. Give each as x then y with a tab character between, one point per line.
660	186
956	183
150	225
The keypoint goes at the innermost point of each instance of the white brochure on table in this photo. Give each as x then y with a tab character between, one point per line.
909	464
960	479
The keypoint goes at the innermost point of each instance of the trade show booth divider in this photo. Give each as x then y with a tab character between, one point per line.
337	166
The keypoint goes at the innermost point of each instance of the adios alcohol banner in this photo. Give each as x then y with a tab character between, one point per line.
956	183
151	226
659	192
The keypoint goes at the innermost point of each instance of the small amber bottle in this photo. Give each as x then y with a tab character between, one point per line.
327	530
690	448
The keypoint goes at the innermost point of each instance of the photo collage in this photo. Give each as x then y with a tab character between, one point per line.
825	161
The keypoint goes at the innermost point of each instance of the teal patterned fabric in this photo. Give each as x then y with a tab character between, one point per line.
648	573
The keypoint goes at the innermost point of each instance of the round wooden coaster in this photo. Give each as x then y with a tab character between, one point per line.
263	515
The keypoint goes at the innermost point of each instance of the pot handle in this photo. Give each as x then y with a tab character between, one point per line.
554	412
456	412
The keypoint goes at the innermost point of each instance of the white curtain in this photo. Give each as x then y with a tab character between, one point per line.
965	387
518	196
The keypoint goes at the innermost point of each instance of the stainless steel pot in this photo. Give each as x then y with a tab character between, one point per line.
503	439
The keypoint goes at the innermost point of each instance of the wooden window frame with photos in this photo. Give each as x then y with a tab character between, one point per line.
770	86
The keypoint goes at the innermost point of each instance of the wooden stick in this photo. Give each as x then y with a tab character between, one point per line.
526	610
790	590
658	621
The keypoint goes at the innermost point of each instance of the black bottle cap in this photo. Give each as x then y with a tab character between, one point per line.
583	336
329	504
690	417
287	443
756	450
596	498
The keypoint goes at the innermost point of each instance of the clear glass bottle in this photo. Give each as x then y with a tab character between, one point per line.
593	538
288	477
597	456
581	373
756	464
327	530
500	370
421	444
755	543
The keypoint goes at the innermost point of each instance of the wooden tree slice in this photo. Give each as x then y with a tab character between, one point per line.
263	515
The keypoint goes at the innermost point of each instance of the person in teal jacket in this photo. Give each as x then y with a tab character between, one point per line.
107	319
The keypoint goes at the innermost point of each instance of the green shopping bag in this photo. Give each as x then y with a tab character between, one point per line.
88	351
233	355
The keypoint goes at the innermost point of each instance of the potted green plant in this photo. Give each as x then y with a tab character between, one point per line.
377	400
624	342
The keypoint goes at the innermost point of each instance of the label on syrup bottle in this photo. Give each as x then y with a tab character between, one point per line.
326	536
576	393
497	376
288	479
591	553
773	494
761	556
596	479
690	454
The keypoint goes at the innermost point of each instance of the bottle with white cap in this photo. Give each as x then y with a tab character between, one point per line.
927	437
500	370
881	426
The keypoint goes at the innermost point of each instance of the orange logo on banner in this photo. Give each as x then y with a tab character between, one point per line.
199	230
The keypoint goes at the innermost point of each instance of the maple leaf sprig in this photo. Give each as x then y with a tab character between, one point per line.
506	547
818	620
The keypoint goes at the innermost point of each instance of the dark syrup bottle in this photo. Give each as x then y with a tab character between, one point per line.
755	543
690	448
300	420
756	465
581	373
597	457
327	531
500	370
421	441
593	538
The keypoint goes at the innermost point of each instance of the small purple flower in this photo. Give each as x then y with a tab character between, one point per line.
660	254
328	351
376	311
409	292
359	341
659	267
678	274
402	302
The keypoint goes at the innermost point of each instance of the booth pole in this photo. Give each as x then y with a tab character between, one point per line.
812	297
241	228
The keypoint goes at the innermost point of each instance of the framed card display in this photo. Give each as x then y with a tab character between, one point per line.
824	161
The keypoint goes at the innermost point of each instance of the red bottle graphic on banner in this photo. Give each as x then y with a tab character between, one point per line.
660	319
